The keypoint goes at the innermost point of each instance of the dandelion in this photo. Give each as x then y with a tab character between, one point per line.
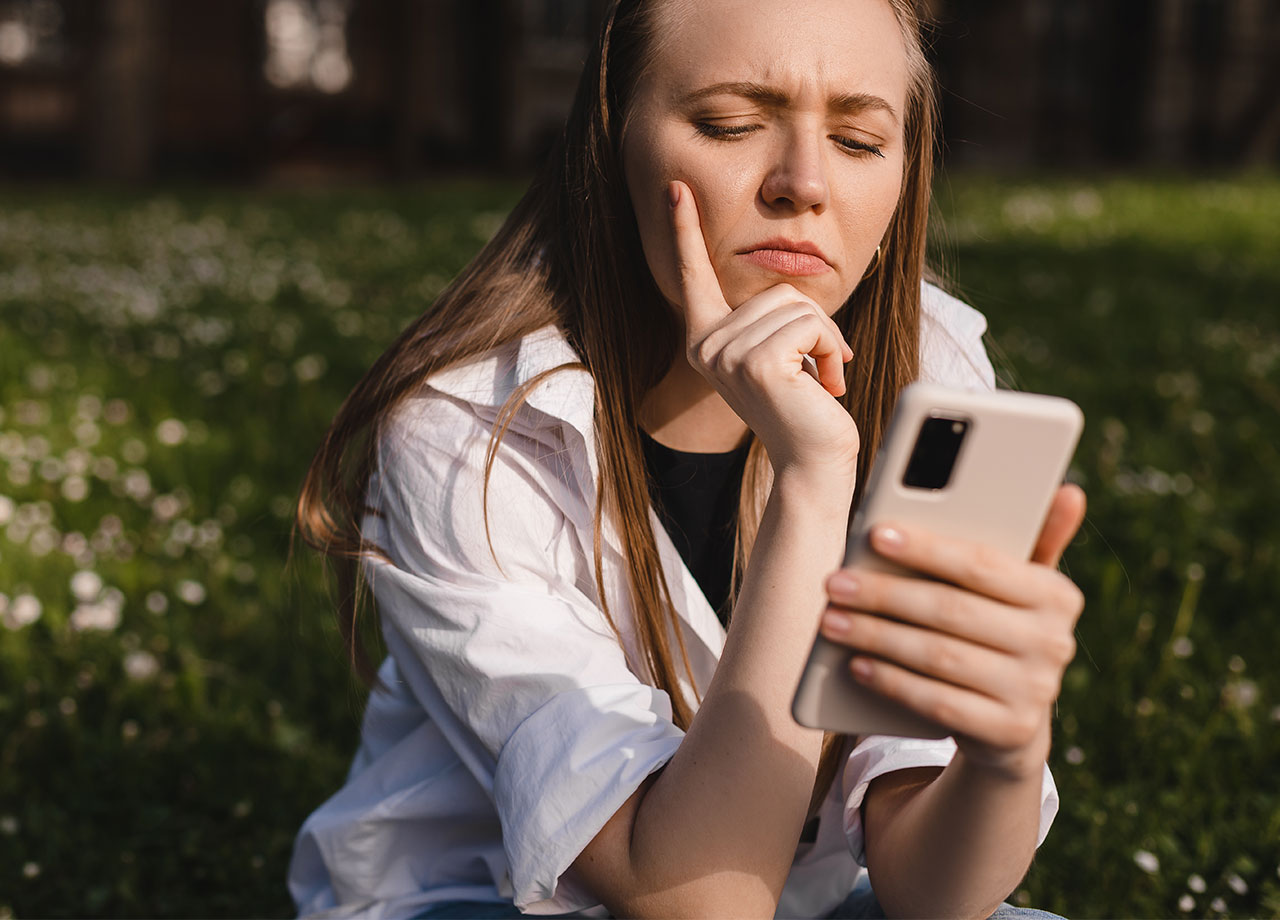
191	592
137	484
44	541
1237	884
116	411
1147	861
1186	904
86	586
171	432
166	507
22	611
133	451
141	665
94	617
75	488
310	368
1240	693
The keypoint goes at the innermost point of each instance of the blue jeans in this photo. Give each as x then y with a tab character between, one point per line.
860	905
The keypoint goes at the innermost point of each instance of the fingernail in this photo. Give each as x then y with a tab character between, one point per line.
845	584
673	193
835	624
889	538
861	668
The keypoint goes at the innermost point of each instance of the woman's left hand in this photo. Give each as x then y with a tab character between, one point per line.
981	650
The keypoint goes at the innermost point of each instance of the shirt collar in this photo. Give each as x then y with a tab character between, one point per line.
568	398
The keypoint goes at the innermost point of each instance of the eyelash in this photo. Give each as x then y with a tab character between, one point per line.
733	132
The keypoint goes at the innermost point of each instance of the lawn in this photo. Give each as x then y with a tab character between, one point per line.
174	697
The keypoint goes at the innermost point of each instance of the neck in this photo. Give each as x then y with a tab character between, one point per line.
684	412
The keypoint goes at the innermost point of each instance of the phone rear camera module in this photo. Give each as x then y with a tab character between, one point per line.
934	455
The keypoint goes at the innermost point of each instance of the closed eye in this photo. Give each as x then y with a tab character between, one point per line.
723	132
858	147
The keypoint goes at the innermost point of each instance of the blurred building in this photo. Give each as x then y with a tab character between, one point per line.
132	89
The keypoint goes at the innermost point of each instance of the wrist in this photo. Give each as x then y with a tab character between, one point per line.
1016	765
827	491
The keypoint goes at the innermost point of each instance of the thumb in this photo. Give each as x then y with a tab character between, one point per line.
1066	513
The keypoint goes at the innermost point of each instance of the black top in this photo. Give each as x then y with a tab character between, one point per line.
696	498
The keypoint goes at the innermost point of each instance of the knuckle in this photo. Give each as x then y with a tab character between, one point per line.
1062	648
941	658
940	710
704	353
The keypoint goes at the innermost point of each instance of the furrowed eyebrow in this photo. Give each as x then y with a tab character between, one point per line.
845	103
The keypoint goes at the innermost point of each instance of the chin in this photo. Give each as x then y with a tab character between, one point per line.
743	286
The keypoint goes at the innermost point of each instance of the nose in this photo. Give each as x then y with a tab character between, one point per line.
797	177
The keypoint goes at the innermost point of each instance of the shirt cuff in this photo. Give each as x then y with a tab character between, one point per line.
565	771
877	755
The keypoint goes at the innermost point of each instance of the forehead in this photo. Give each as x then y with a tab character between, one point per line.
830	46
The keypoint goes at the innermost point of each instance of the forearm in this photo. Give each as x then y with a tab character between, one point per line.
716	832
954	845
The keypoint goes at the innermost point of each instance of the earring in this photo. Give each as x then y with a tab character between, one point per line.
875	264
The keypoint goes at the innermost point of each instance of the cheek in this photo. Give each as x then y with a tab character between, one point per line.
648	173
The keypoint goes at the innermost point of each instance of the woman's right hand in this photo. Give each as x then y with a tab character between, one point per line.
754	356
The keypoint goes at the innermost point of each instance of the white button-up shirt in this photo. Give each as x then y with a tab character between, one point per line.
514	722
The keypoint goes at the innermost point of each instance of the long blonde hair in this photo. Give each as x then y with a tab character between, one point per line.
569	255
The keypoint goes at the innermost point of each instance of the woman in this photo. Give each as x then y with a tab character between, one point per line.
720	267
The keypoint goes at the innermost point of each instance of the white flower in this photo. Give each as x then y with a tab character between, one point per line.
141	665
1237	884
191	592
86	586
75	488
156	602
8	825
1182	647
23	610
166	507
1186	904
1218	906
1195	882
6	509
101	616
1074	756
1147	861
30	870
171	432
310	368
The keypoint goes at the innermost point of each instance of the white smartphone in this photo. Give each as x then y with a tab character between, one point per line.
978	466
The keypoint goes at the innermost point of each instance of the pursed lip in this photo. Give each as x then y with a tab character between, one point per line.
791	257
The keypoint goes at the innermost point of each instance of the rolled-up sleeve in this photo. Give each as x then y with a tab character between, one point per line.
509	651
876	755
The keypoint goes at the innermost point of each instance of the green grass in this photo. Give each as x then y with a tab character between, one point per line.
168	362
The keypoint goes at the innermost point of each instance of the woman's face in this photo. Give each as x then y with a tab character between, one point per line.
785	120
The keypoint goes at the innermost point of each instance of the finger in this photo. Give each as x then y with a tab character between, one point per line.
1065	517
787	335
935	606
965	712
975	566
932	654
704	303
